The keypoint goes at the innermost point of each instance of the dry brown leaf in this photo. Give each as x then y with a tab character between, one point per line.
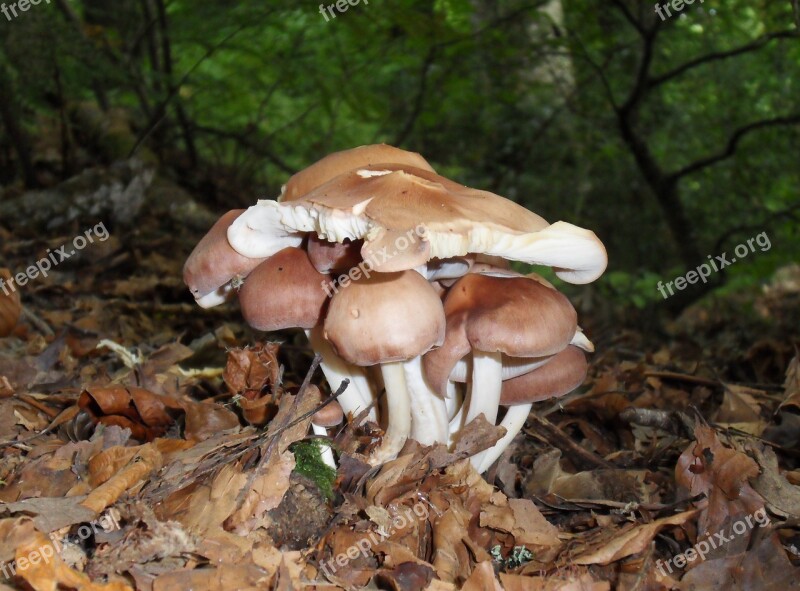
631	541
558	581
266	493
482	579
765	566
10	306
522	519
146	461
721	473
50	573
781	497
791	387
741	410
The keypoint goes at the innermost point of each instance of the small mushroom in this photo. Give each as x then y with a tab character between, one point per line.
329	415
391	319
558	377
213	267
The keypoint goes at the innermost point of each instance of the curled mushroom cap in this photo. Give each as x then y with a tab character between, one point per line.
213	264
558	377
285	291
515	316
387	204
329	415
385	317
341	162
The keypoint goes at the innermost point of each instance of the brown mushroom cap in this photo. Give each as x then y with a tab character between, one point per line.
516	316
328	416
333	257
213	262
558	377
341	162
285	291
385	317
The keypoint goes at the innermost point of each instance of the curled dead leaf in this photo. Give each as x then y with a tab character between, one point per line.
146	460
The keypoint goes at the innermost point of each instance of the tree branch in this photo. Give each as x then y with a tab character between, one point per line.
248	143
419	99
733	144
722	55
623	8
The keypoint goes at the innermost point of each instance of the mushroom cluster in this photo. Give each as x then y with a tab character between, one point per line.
400	279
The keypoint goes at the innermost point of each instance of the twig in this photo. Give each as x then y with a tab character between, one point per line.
683	377
554	435
31	317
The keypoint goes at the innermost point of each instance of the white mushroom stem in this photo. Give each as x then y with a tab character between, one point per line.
399	406
457	420
358	394
326	452
429	422
513	422
487	383
453	400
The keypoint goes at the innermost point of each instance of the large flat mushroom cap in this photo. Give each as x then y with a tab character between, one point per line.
385	317
384	204
340	162
399	198
285	291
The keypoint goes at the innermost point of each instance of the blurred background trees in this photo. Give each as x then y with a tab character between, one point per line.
672	139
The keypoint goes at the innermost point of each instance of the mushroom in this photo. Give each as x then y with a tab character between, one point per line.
558	377
340	162
284	292
391	319
387	203
492	316
329	415
213	268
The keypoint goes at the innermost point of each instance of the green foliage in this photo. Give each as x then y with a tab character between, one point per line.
512	96
308	458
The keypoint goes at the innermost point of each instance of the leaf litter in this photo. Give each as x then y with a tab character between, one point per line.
188	433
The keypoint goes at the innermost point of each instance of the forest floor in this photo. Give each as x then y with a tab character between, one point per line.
130	458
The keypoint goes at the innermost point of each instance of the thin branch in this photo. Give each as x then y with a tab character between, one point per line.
722	55
733	144
419	99
623	8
